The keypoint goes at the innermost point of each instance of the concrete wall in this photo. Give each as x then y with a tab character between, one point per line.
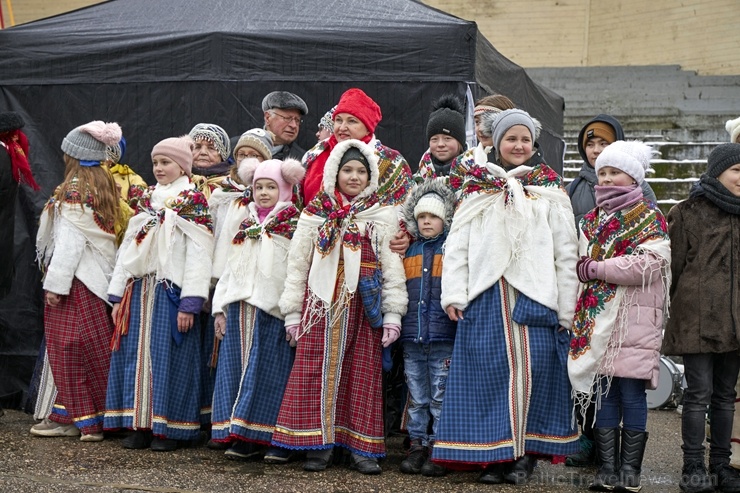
699	35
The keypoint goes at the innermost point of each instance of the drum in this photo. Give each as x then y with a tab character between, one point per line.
670	389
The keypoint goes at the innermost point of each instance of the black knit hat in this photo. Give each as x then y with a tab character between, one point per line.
9	121
447	119
354	154
722	157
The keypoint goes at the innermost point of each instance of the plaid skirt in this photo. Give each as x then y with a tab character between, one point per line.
263	381
508	392
232	355
334	393
153	383
78	331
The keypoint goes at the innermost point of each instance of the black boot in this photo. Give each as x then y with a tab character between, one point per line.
694	477
633	450
727	478
607	457
520	470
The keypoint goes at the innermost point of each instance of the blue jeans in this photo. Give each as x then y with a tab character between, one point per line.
426	367
626	403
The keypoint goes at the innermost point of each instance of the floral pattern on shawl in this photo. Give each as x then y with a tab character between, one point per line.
283	224
73	196
480	180
190	205
616	237
335	212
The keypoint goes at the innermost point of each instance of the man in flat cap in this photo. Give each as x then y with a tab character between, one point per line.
284	112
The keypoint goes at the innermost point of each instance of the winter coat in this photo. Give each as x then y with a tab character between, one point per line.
639	353
581	190
425	320
8	193
705	293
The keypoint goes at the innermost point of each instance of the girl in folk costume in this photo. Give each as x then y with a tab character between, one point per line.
77	246
618	326
254	359
478	155
334	393
446	137
160	283
508	278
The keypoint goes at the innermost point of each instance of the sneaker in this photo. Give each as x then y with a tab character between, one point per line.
242	451
728	479
694	478
277	455
92	437
415	459
49	428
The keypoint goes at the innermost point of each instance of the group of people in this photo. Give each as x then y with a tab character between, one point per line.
257	296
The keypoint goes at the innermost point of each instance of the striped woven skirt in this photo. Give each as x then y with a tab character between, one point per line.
508	391
153	383
78	331
263	381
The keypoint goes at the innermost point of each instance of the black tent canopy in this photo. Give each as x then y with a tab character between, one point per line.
157	67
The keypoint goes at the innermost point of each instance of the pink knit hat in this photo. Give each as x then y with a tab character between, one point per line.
179	149
285	173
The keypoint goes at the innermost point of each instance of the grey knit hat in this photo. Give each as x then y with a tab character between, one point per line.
722	157
447	119
214	134
88	142
327	121
507	119
284	100
258	139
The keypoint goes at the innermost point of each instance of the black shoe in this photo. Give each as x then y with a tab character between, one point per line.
163	445
242	451
365	465
607	453
631	454
137	440
415	459
317	460
728	479
586	457
694	478
493	474
214	445
432	470
277	455
521	470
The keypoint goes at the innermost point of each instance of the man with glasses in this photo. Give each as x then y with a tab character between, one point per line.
284	112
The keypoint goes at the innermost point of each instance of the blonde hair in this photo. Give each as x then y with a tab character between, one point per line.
95	185
497	101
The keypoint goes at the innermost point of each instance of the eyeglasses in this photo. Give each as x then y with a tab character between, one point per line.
289	119
241	155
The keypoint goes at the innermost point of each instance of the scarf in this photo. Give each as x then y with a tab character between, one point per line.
600	323
613	198
717	194
208	179
16	144
315	161
430	167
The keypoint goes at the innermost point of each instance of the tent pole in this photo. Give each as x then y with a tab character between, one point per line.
10	13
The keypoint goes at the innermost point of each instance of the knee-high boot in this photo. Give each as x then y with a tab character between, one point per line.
607	458
633	450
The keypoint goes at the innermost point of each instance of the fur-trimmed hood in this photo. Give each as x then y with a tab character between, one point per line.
437	186
331	169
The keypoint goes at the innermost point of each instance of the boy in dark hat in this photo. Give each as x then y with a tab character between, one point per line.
446	135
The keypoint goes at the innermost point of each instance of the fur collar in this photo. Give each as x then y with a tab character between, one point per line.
331	169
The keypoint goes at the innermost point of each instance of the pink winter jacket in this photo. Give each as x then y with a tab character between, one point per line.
639	356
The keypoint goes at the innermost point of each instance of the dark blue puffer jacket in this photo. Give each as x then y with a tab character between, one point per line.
425	321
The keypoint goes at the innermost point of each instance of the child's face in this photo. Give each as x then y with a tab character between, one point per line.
429	225
265	193
352	178
516	146
609	176
730	179
247	152
205	154
444	147
165	169
593	148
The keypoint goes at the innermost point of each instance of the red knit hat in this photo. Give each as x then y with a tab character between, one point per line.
358	104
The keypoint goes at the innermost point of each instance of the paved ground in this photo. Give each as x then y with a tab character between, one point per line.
48	465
